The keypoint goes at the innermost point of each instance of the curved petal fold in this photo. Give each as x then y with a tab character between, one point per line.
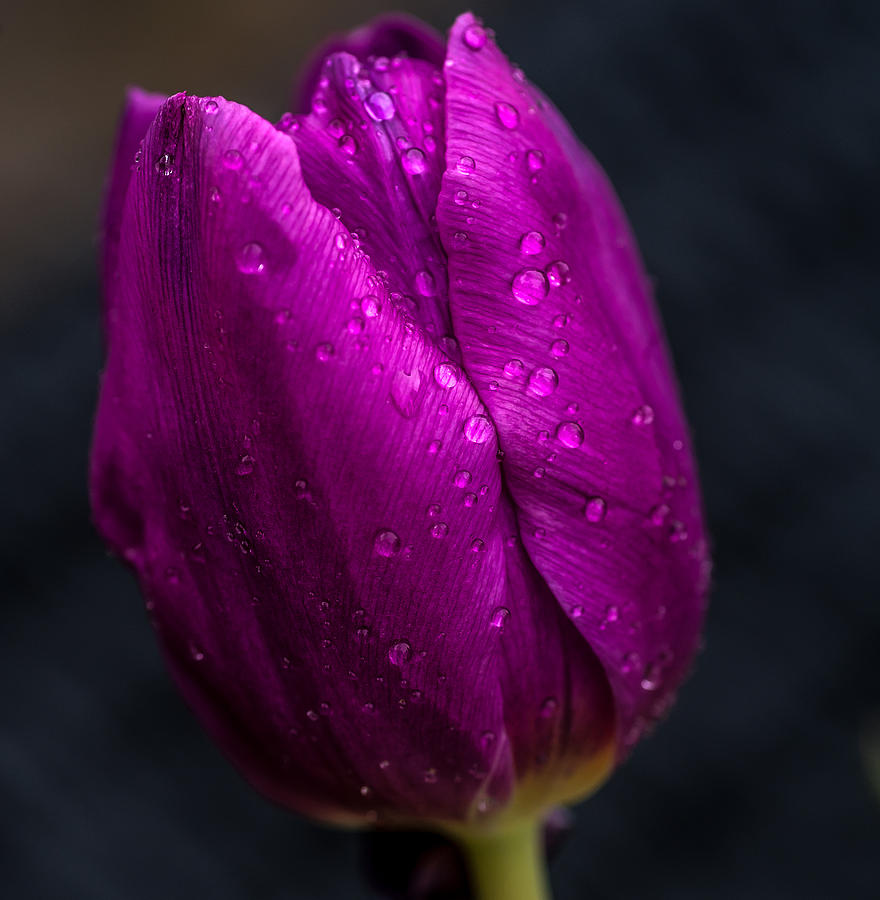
305	486
561	341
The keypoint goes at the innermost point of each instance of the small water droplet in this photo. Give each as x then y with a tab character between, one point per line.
324	351
543	381
196	652
379	106
507	115
530	286
414	161
595	509
500	615
462	478
532	243
386	543
535	160
659	513
399	653
211	107
440	530
348	145
474	36
478	429
384	764
311	715
644	415
513	368
430	776
652	676
559	273
370	306
560	220
433	510
478	546
434	447
466	165
165	165
559	348
549	707
232	160
446	375
539	472
570	434
365	790
250	259
245	465
425	284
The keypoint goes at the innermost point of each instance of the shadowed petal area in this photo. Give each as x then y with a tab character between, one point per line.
559	336
306	488
385	36
373	149
140	109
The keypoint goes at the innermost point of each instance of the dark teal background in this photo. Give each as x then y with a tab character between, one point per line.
744	140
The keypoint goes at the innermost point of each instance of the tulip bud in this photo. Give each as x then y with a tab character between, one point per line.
389	434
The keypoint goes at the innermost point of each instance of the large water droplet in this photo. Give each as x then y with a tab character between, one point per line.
462	478
440	530
245	465
446	375
559	348
466	165
399	653
570	434
370	306
474	36
535	160
250	259
379	106
165	165
348	145
543	381
559	273
530	286
477	429
386	543
507	115
513	368
232	160
644	415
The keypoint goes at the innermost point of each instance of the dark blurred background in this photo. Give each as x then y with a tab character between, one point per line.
744	139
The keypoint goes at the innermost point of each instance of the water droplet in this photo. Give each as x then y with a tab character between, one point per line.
595	508
245	465
560	220
165	165
355	325
478	546
478	429
470	499
433	510
570	434
466	165
250	259
232	160
644	415
434	447
677	532
462	478
530	286
549	707
612	614
399	653
507	115
406	392
532	243
559	348
500	615
384	764
659	513
474	36
535	160
348	145
651	677
559	273
414	161
311	715
430	776
324	351
365	790
539	472
370	306
513	368
425	284
211	107
440	530
386	543
196	652
379	106
577	612
543	381
446	375
460	238
561	320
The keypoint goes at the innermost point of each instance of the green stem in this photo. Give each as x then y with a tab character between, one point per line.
507	864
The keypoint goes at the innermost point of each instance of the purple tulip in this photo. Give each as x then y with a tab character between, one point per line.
389	434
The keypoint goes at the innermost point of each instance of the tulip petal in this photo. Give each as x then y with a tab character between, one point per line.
140	109
306	488
385	36
373	149
560	339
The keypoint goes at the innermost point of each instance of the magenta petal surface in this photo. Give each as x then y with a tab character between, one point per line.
306	487
385	37
560	338
140	109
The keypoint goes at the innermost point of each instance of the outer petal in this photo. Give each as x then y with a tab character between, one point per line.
279	460
386	36
140	109
560	338
373	150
